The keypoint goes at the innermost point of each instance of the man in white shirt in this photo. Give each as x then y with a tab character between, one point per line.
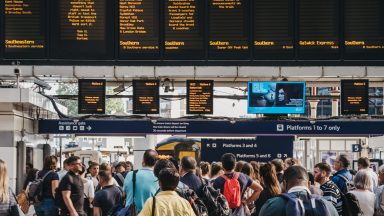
363	165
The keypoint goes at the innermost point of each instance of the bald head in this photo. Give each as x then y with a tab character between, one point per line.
295	176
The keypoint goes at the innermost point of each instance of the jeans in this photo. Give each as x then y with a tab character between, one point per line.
46	208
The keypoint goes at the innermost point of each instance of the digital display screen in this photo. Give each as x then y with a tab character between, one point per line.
92	96
319	29
146	97
200	96
354	97
82	29
184	29
276	97
364	29
24	28
229	29
139	29
273	29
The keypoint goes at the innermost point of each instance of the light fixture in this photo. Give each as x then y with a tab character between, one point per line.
169	85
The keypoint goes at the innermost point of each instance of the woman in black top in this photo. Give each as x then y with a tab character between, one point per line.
51	181
270	184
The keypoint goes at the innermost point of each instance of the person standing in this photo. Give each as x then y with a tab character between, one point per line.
89	192
331	192
146	183
108	197
72	189
51	181
363	165
366	198
94	173
7	197
342	176
188	174
167	201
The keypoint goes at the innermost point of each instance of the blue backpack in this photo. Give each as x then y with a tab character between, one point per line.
304	205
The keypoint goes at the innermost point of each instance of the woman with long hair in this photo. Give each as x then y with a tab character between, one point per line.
270	184
7	198
51	181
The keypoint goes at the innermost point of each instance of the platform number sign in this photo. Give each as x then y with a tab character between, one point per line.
356	147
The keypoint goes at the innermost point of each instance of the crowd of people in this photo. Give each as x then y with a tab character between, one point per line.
169	187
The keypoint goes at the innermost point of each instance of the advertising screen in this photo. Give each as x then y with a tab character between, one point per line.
276	97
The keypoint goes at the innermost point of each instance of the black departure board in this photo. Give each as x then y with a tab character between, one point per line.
82	29
146	97
200	97
354	97
91	96
273	29
229	30
24	28
319	29
184	29
139	29
364	29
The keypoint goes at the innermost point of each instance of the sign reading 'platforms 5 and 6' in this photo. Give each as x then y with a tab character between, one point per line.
263	148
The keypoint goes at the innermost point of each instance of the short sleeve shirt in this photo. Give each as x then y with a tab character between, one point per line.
244	180
47	184
107	198
74	183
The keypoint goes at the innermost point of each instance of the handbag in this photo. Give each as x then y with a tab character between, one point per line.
15	210
131	210
23	201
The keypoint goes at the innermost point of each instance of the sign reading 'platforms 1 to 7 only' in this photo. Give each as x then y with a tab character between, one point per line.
199	96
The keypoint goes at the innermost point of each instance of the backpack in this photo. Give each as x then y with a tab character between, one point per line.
196	203
130	210
35	191
351	206
348	185
215	202
310	205
232	191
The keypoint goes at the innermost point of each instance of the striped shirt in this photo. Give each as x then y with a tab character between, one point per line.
332	193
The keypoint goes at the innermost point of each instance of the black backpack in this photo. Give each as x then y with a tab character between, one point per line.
304	205
196	203
351	206
35	191
215	202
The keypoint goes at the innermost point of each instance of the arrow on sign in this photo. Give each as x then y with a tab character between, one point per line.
89	128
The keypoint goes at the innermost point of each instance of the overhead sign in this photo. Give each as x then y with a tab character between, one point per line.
354	97
261	149
146	98
91	96
356	147
199	96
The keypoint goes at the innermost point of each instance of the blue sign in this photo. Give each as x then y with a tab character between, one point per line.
261	149
356	147
213	127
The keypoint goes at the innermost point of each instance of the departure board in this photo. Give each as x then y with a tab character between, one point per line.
199	97
354	97
273	29
184	29
229	30
146	97
91	96
319	29
139	29
364	29
82	29
24	28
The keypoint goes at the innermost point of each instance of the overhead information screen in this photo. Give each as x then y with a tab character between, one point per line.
146	98
139	29
319	29
82	29
273	32
199	97
25	28
184	29
229	29
91	96
364	29
354	97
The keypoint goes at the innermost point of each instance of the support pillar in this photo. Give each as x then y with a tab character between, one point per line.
335	92
139	147
313	111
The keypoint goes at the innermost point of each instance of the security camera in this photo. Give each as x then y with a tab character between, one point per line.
17	71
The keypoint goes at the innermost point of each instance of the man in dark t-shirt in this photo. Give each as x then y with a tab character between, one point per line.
188	176
108	197
229	161
72	188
